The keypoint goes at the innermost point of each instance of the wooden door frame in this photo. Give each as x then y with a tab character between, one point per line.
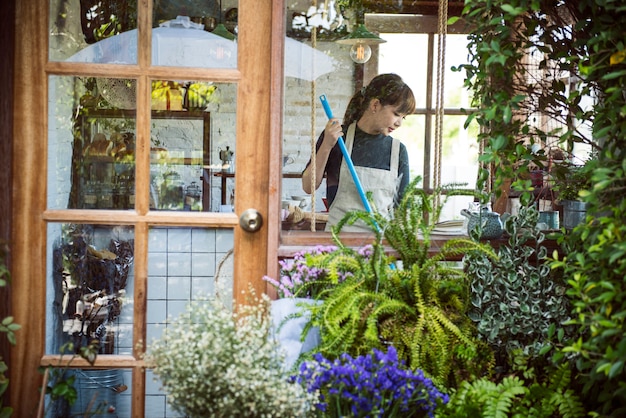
7	30
259	104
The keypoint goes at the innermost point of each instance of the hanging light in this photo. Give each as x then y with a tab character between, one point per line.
361	39
221	30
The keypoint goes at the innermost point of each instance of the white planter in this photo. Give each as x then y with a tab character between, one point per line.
289	332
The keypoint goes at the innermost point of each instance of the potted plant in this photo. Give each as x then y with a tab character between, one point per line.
299	284
570	181
376	384
516	298
219	362
411	300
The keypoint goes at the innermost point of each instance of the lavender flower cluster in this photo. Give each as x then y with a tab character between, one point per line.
374	385
298	275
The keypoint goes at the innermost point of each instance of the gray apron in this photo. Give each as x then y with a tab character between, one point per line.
381	183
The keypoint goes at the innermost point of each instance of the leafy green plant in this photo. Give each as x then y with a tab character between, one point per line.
8	327
418	304
584	39
515	397
515	299
61	379
571	179
520	54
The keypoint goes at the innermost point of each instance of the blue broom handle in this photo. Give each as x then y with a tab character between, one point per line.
346	158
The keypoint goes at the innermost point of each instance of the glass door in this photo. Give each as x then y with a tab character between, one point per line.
138	161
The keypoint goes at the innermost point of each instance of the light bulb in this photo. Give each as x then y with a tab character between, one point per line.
360	52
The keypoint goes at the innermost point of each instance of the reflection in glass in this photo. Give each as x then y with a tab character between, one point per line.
90	287
91	145
106	32
192	146
99	393
90	33
194	34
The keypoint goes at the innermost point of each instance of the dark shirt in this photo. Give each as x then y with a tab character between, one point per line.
367	151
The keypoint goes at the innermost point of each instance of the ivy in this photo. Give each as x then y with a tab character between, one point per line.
585	40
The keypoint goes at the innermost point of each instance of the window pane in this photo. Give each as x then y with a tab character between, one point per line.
184	265
414	71
91	143
194	34
192	146
455	94
97	32
99	393
90	287
460	151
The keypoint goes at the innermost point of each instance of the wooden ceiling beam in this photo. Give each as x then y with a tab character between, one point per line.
419	7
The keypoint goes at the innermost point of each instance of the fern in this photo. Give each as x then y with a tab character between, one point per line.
516	397
418	308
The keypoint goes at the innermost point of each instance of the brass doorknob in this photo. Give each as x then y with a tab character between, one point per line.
251	220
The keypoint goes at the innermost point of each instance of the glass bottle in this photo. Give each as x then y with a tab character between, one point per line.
90	197
192	197
105	197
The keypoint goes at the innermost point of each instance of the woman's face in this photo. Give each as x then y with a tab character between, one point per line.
385	118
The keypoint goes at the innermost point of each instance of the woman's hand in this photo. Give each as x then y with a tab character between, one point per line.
332	132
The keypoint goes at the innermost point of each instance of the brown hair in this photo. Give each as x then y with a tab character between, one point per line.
389	89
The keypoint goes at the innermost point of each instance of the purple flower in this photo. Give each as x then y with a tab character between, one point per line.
301	277
374	385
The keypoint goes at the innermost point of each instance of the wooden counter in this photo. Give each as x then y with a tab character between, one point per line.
294	241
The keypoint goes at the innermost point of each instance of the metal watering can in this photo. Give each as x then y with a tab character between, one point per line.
226	154
490	222
227	157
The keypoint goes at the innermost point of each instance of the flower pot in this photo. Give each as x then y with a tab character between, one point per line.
574	213
98	390
288	331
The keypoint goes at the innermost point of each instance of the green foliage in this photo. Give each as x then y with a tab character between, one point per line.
418	306
572	179
515	298
512	91
586	39
516	397
61	378
8	327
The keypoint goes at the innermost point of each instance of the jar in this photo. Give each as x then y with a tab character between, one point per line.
105	197
90	197
192	197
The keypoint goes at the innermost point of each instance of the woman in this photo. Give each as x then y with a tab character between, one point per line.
380	161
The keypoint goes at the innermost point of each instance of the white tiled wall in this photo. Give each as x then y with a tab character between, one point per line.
182	264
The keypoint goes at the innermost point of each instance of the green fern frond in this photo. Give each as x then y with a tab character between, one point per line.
570	405
439	317
560	379
500	403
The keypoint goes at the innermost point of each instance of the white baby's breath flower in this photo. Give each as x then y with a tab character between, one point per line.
214	363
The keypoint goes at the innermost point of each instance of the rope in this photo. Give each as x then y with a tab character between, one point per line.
313	121
442	15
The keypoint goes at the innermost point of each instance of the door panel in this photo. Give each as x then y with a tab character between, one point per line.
176	248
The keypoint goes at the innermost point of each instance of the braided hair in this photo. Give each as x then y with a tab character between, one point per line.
389	89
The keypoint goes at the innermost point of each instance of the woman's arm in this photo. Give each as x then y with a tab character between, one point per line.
332	132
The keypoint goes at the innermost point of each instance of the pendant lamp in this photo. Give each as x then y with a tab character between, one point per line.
361	39
221	30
